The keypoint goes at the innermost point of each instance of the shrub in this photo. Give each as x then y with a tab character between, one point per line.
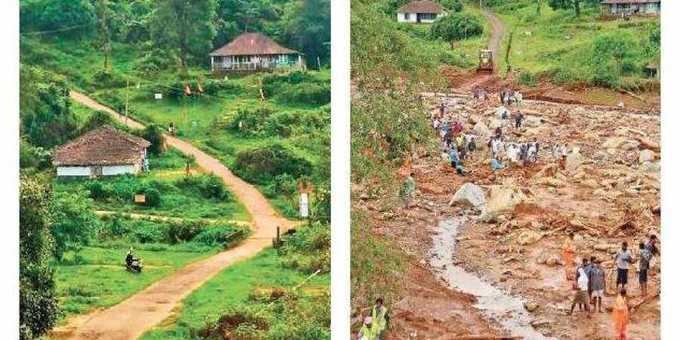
250	122
96	120
457	26
261	165
310	94
220	235
527	78
147	232
212	187
108	80
452	5
183	232
153	134
152	196
98	191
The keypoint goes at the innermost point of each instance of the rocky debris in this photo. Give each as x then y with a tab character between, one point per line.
527	237
502	199
530	307
469	195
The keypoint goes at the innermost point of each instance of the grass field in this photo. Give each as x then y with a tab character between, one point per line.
99	279
234	287
558	46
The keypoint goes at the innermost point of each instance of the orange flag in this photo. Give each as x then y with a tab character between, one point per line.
187	90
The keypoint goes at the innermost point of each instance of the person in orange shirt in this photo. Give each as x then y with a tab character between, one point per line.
620	316
568	256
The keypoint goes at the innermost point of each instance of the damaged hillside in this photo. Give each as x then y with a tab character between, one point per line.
478	253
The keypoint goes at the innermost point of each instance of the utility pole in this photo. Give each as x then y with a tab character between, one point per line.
127	98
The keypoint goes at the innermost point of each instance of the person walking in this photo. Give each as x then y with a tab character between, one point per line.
568	255
597	284
623	259
408	190
620	316
643	267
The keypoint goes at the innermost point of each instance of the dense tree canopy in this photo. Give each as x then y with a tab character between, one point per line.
38	304
456	27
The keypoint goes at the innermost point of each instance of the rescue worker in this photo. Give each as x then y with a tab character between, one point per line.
408	190
367	331
379	317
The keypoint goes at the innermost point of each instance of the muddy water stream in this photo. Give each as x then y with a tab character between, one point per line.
508	311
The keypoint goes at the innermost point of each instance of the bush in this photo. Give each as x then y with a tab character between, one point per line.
108	80
152	196
212	187
220	235
527	78
452	5
96	120
250	122
261	165
310	94
183	232
457	26
147	232
153	134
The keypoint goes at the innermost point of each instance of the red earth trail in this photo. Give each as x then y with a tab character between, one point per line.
142	311
497	33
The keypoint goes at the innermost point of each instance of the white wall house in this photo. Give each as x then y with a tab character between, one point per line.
631	7
254	52
424	11
101	152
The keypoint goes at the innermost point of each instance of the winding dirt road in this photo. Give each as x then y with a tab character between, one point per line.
140	312
498	31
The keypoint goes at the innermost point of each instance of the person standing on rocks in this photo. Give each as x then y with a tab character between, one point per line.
623	259
643	267
597	284
620	316
581	296
380	318
568	255
519	117
408	190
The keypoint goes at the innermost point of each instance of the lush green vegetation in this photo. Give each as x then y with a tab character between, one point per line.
272	296
565	48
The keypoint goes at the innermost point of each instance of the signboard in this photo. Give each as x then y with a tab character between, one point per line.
140	198
304	205
158	96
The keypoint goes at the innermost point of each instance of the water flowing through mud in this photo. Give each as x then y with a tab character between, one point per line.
494	303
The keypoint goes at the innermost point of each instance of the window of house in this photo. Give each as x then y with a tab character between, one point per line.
407	16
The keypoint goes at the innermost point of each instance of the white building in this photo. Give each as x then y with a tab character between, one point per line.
422	11
101	152
251	52
631	7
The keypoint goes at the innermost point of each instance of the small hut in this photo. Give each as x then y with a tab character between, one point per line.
420	11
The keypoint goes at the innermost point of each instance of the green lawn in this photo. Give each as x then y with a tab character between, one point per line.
99	279
234	286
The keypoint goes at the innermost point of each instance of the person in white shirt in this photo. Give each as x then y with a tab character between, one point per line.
581	296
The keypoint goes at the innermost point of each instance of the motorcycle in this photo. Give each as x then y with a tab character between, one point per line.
134	266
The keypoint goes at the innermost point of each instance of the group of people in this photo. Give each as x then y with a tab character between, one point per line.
456	145
374	326
589	280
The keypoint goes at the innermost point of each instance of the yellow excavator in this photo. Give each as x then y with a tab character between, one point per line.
485	62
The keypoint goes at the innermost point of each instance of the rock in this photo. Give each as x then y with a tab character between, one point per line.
646	156
481	130
528	237
613	143
553	260
653	167
502	199
469	195
532	121
574	160
530	306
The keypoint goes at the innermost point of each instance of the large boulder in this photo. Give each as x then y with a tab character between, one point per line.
480	129
502	199
532	121
469	195
646	156
574	160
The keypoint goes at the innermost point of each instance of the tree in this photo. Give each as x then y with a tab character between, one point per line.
103	40
452	5
153	135
74	222
566	4
38	307
308	27
184	29
456	27
45	109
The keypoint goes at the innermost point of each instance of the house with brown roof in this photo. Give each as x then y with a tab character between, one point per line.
251	52
420	11
630	7
104	151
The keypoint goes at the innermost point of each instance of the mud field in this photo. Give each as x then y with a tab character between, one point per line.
495	269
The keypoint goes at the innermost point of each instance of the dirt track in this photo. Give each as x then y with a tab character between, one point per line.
132	317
